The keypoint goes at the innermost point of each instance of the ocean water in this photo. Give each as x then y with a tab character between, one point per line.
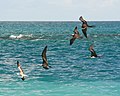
73	72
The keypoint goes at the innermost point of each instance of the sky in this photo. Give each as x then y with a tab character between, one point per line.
59	10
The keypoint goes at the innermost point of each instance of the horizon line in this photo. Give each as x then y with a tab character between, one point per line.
57	20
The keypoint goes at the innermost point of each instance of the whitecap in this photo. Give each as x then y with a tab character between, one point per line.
19	36
16	37
12	36
95	35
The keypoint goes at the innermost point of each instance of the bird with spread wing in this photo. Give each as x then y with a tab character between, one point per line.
21	71
93	53
84	26
75	35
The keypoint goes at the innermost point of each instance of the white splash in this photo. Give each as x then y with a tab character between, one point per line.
16	37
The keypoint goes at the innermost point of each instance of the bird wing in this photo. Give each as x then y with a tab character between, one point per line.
76	30
82	20
85	22
76	33
19	67
44	56
84	30
90	26
93	53
72	40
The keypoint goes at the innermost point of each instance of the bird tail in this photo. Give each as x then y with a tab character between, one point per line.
91	26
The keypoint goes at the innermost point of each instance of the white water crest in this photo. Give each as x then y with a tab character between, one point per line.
16	37
19	36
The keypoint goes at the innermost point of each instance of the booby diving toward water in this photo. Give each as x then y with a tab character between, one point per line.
84	26
93	53
45	62
75	35
21	71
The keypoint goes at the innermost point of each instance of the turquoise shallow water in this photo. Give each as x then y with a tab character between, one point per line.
73	73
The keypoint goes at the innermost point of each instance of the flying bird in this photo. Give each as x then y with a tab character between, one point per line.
84	26
75	35
21	71
44	58
93	53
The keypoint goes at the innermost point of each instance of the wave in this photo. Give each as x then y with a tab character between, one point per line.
32	37
19	36
16	37
50	37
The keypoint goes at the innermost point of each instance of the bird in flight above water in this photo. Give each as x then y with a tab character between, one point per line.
21	71
84	26
93	53
75	35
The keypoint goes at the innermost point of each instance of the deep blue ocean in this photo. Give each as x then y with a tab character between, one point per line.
73	72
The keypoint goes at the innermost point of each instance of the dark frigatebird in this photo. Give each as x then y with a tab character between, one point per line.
84	26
